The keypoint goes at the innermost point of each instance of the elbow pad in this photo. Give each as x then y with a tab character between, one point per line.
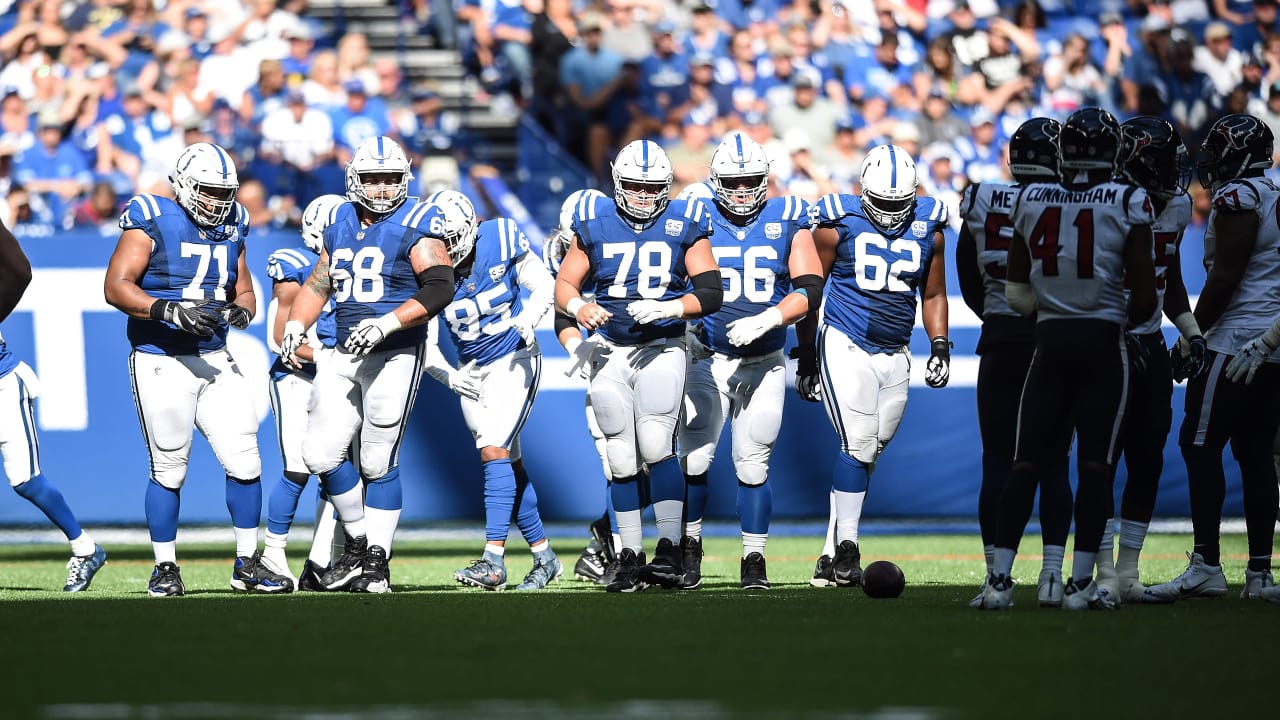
1021	297
435	288
709	289
811	287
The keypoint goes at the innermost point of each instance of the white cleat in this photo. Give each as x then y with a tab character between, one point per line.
1086	597
1197	581
976	602
1270	594
1132	592
1255	582
1049	588
275	561
997	594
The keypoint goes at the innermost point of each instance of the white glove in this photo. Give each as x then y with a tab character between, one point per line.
1246	362
522	326
370	332
463	385
582	353
648	311
747	330
295	336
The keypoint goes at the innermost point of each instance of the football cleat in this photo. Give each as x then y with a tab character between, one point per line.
1085	595
847	565
274	560
348	566
590	566
665	570
691	561
484	573
1049	588
602	534
376	577
1254	583
754	576
628	576
546	570
976	602
82	568
1270	594
250	574
1132	592
309	580
610	574
1197	581
998	593
822	575
166	581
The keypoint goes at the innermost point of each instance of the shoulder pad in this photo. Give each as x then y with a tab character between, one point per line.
140	212
287	265
1138	207
1236	196
830	208
932	210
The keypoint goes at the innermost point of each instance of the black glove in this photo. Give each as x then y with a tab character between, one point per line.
808	384
236	316
1138	355
938	370
186	316
1189	358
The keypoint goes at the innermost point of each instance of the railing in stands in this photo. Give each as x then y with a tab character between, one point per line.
545	172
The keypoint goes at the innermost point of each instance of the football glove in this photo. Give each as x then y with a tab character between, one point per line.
1139	358
582	353
295	336
747	330
648	311
1246	362
236	316
525	330
186	316
1189	358
937	371
463	385
371	331
808	384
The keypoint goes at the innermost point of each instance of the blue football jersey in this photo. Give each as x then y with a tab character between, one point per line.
295	265
871	294
8	361
485	301
188	262
754	269
370	267
630	263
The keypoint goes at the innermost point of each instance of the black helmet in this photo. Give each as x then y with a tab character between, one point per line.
1089	140
1033	151
1153	156
1234	146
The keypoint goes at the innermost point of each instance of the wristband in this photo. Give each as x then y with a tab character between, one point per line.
574	305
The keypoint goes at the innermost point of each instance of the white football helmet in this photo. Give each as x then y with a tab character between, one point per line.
459	223
740	174
205	183
563	235
378	175
316	218
888	186
642	176
696	191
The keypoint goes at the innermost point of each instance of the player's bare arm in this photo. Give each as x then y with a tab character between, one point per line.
244	294
1017	288
708	286
1177	306
306	306
283	293
967	272
15	272
124	271
573	271
1140	273
1236	234
434	271
807	279
934	296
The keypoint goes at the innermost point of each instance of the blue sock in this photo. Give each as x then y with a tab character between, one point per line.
608	508
666	481
527	517
45	496
499	498
644	486
282	504
755	507
340	479
386	492
625	494
850	474
244	502
695	496
162	505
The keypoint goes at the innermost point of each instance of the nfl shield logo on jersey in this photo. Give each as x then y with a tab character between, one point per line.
673	227
773	231
496	272
920	228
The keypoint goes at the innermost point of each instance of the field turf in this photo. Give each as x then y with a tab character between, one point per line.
435	650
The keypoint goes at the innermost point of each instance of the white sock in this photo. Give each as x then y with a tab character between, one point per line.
670	517
322	541
1053	557
1133	535
1082	565
495	550
350	507
542	545
1002	561
829	545
276	541
617	542
382	526
693	528
753	542
1106	552
82	545
848	513
629	532
989	554
246	541
165	551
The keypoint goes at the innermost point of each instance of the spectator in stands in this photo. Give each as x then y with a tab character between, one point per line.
664	81
25	209
226	130
1147	62
704	92
815	115
1218	59
1251	80
756	125
873	124
880	73
1188	93
1251	32
691	155
906	136
623	35
15	121
511	39
263	31
195	25
910	51
136	32
21	53
806	178
228	72
968	41
739	73
354	62
937	123
982	155
296	64
590	75
322	89
295	156
705	33
552	33
265	213
430	136
940	73
390	93
1071	81
84	50
186	98
357	121
96	15
1004	71
1270	113
843	158
52	167
100	210
265	96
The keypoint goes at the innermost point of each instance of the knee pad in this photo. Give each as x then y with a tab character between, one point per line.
656	437
698	461
375	459
621	458
320	456
752	473
864	448
169	474
612	414
383	411
244	464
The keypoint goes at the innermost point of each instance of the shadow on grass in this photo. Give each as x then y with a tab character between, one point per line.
47	553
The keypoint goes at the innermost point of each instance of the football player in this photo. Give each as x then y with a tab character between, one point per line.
1075	244
638	253
1153	158
179	273
1238	397
1005	347
492	327
771	278
388	270
19	445
288	269
878	251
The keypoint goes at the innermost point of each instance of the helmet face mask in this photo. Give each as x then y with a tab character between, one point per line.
642	176
1236	146
315	218
889	182
378	176
459	226
1154	158
205	183
1033	151
740	175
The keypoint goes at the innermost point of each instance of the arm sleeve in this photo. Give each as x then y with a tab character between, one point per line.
435	363
534	277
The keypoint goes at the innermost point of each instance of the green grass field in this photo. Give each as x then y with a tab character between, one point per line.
433	649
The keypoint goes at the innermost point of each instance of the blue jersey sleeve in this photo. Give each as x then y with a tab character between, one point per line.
830	208
289	265
141	213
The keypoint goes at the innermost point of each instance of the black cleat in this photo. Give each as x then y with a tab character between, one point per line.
166	581
250	574
610	574
309	580
847	567
691	561
590	566
822	573
349	566
377	573
602	533
665	570
754	576
628	576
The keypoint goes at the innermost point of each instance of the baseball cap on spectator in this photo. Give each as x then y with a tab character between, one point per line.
1178	35
1111	18
195	12
697	118
753	117
590	21
905	132
845	124
49	118
981	116
1217	31
960	5
354	86
664	27
1153	23
8	90
295	95
806	77
421	94
937	94
703	58
297	31
700	6
170	41
796	140
131	88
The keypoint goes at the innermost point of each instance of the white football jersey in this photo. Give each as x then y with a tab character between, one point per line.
1256	302
1076	239
986	208
1166	233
